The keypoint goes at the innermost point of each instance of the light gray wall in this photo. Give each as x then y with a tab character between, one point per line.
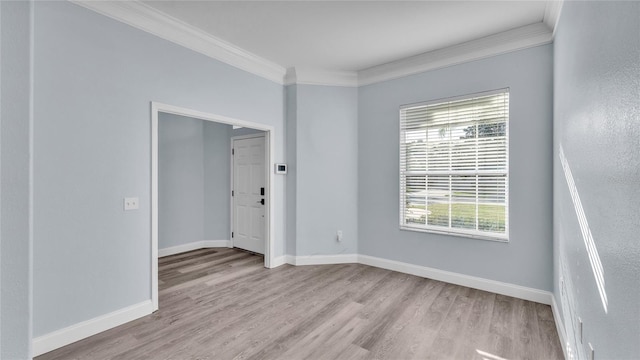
326	169
193	180
94	81
180	180
217	181
526	259
597	123
290	178
15	140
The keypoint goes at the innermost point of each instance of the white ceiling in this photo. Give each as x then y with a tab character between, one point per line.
349	35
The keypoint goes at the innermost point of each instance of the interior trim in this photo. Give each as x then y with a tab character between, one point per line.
498	287
552	12
559	326
196	245
307	76
517	39
65	336
146	18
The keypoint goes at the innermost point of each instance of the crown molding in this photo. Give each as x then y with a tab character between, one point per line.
504	42
552	14
148	19
309	76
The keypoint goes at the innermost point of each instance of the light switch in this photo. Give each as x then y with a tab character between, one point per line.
131	203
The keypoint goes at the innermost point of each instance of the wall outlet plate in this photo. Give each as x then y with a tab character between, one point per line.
131	203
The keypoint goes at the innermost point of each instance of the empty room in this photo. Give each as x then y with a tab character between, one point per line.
319	180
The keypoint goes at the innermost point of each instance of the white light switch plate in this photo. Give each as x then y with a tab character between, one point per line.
131	203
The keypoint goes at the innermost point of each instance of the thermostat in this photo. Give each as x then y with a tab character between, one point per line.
281	168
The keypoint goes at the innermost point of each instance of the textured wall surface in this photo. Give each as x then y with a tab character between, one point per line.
325	170
596	189
527	259
94	81
15	140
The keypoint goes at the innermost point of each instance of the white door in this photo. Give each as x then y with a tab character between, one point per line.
249	200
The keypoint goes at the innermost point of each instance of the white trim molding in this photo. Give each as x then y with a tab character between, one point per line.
59	338
146	18
73	333
156	108
308	76
322	259
517	39
552	14
562	333
193	246
279	261
517	291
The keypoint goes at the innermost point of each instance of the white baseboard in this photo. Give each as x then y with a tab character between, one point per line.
279	261
559	325
322	259
62	337
193	246
517	291
59	338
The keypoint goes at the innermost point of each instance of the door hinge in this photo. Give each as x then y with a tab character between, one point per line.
233	151
232	234
232	194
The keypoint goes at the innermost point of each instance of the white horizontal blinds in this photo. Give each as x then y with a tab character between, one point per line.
454	165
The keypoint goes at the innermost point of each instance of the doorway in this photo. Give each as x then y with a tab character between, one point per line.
248	159
266	210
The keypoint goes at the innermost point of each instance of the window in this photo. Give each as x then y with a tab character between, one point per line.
454	164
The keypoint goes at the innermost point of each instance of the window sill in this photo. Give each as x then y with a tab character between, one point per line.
487	237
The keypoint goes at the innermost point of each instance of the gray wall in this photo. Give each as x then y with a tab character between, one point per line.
180	180
193	180
15	140
526	259
325	169
94	81
291	108
217	180
597	123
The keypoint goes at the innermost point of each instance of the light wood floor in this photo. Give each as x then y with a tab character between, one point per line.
222	304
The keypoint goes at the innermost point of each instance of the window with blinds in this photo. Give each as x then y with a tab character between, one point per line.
454	166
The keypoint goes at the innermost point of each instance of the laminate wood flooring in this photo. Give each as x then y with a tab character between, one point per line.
223	304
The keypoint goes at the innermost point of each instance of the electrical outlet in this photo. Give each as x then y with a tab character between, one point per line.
339	236
131	203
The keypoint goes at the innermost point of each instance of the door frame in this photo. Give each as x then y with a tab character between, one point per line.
156	108
266	175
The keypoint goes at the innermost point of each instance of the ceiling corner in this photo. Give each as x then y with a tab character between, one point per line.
552	14
313	76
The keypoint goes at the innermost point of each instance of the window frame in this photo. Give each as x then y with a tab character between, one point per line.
459	232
